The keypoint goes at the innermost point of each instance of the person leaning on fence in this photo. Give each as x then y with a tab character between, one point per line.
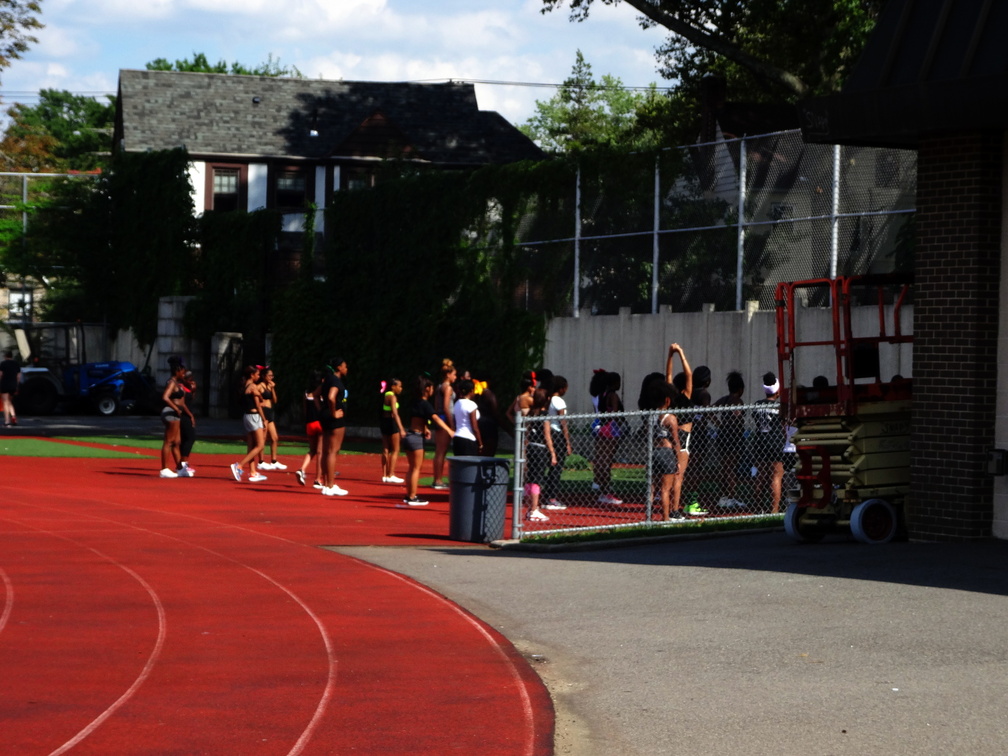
540	454
770	440
700	435
607	436
730	437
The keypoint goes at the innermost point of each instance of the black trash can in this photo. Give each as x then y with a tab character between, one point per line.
477	498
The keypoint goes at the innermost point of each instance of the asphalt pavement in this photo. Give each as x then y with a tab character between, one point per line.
737	644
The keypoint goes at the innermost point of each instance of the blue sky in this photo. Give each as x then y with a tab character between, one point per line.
86	42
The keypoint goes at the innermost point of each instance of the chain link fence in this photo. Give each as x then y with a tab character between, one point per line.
721	223
735	462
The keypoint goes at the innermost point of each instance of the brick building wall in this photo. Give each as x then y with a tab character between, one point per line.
957	296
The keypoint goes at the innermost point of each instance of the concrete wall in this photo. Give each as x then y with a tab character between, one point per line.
635	345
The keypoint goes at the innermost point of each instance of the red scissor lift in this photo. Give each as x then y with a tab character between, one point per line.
853	437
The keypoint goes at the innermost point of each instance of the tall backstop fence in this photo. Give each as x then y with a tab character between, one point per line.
734	462
717	224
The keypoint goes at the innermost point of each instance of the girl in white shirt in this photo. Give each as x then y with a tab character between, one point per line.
467	440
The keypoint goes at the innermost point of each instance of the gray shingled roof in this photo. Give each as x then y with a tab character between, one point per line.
263	116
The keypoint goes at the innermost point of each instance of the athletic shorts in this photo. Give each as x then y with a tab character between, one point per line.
387	426
168	415
664	462
330	424
270	413
252	421
313	429
413	441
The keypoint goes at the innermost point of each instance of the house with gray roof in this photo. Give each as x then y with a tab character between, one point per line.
281	143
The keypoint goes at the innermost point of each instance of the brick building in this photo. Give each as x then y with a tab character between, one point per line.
934	77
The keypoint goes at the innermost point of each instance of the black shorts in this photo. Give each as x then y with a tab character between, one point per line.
387	426
664	461
270	414
329	424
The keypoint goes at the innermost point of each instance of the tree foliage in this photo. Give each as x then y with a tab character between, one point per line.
64	132
201	64
585	113
18	19
770	50
111	245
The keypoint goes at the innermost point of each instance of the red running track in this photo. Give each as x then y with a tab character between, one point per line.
200	616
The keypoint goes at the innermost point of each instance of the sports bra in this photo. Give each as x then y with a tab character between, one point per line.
389	399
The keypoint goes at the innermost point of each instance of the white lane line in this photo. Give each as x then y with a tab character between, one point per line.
476	623
8	599
330	687
144	673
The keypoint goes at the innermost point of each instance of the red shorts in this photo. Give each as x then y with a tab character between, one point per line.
314	429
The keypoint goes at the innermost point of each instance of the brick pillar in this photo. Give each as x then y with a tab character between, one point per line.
955	335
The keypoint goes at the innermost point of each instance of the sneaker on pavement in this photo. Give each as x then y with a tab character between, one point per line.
265	466
695	510
183	472
300	477
554	504
257	478
384	478
394	479
334	491
439	486
167	473
237	472
277	465
415	501
317	485
535	514
676	514
609	499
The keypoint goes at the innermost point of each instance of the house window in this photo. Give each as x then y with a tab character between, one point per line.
291	189
225	189
357	178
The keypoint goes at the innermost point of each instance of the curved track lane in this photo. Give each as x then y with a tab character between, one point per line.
143	615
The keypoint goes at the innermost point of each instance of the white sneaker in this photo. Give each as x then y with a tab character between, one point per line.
416	501
167	473
535	514
334	491
554	504
184	472
317	485
257	478
384	479
393	479
277	465
237	472
266	466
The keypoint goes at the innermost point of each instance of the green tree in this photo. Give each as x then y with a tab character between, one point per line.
585	113
17	21
201	64
768	49
63	132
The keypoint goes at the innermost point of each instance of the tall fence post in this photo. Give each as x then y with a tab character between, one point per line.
577	243
519	476
740	252
655	235
835	219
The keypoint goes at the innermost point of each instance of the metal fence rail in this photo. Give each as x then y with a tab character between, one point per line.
614	473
